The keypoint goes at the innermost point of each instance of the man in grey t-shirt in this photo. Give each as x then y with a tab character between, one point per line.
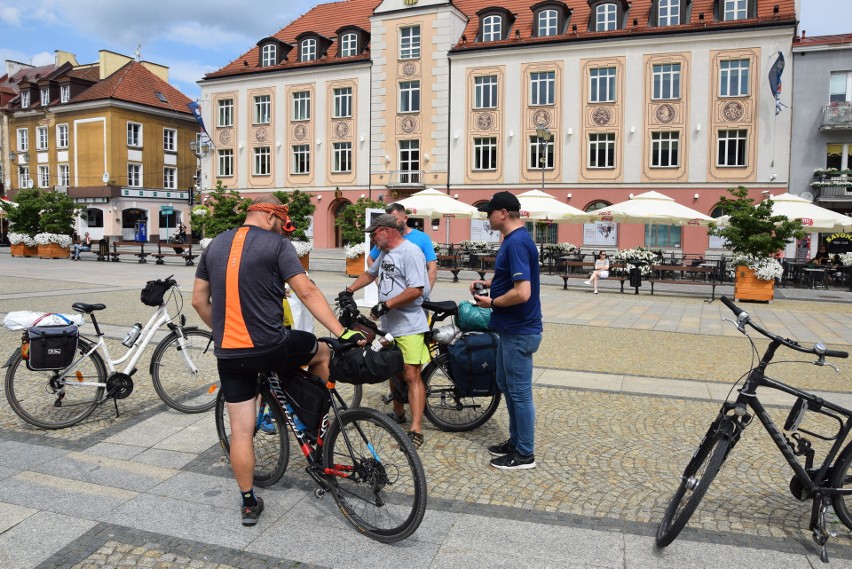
400	273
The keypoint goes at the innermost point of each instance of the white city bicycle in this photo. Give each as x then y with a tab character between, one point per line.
183	368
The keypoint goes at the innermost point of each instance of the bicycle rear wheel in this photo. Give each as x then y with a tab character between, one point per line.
174	380
46	400
351	394
271	439
696	479
445	408
380	486
842	478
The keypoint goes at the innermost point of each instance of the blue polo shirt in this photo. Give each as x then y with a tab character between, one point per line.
418	238
517	260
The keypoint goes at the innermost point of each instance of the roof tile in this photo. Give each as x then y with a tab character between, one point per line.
136	84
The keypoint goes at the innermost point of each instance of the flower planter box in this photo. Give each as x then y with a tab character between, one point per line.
306	261
749	287
53	251
354	267
21	250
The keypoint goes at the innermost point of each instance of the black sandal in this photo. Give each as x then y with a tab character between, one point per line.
398	419
415	438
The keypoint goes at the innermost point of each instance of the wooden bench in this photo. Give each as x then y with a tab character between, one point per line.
450	263
709	275
129	248
99	249
186	253
584	274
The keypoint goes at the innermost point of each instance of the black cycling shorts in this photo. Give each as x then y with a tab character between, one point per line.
239	375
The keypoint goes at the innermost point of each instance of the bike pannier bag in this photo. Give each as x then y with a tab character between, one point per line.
473	363
472	318
51	347
359	365
153	293
310	401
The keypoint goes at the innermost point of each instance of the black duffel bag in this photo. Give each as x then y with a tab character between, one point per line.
50	347
310	401
473	363
359	365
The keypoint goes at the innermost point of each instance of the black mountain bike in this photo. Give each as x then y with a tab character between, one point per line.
359	455
827	484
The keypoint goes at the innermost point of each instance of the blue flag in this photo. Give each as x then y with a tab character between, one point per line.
775	81
196	112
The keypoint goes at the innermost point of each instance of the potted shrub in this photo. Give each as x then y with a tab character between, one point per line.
56	221
22	245
755	237
53	245
354	259
301	207
223	209
351	224
24	215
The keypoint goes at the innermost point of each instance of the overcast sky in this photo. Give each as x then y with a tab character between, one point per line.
194	38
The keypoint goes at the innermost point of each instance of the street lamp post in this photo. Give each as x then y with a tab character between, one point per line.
200	149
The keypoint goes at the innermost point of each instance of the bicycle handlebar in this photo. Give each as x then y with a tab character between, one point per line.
349	313
744	319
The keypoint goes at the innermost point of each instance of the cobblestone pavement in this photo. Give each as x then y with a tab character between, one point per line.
607	461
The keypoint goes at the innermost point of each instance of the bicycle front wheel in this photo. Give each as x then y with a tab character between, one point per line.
696	479
380	486
186	376
445	408
56	399
271	441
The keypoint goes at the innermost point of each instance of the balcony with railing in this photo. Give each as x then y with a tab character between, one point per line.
837	116
832	183
406	179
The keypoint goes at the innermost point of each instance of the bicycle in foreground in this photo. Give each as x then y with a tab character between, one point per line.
183	369
357	454
826	485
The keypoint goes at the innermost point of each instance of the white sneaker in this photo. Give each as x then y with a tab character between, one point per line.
587	283
596	292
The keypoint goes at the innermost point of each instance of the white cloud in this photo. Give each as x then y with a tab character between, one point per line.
9	15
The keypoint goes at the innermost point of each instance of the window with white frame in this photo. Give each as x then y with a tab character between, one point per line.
23	140
668	12
301	163
342	157
45	97
302	106
602	150
409	161
485	92
134	175
225	163
169	178
349	45
541	153
602	85
409	97
485	153
665	149
23	176
269	55
342	102
44	176
62	136
134	134
64	178
170	140
666	79
606	17
226	112
732	147
409	42
25	100
492	28
735	10
548	23
542	88
64	93
840	88
262	109
262	161
734	78
41	138
309	49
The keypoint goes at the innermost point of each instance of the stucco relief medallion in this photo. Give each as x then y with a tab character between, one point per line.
300	132
665	113
409	69
541	117
484	121
407	125
341	129
733	111
225	137
602	116
261	134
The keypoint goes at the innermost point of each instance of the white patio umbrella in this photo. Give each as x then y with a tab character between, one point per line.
541	206
813	217
432	203
651	207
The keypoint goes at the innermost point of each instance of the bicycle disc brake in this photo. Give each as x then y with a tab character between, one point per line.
119	385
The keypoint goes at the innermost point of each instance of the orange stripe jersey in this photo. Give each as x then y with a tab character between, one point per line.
247	268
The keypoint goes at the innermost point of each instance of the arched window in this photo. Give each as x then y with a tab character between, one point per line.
492	28
269	55
309	50
606	17
548	23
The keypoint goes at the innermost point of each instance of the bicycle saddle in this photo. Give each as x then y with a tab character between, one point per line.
87	308
443	307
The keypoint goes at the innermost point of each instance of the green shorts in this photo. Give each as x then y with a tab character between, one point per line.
414	351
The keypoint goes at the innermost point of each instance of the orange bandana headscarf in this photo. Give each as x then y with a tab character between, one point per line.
282	212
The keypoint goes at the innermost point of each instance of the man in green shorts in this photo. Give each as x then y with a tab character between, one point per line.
400	272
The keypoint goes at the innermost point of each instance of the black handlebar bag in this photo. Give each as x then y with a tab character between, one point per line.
51	347
360	365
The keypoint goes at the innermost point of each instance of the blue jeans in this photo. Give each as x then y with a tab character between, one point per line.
514	379
78	248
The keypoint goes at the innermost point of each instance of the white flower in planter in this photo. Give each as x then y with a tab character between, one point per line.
302	247
21	239
352	251
639	257
48	238
765	268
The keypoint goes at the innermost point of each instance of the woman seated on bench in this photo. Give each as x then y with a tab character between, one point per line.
85	245
601	271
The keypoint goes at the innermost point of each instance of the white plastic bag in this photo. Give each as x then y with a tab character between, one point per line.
23	319
302	318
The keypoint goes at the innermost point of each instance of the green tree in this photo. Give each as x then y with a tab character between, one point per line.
225	209
57	213
25	217
351	220
751	228
301	207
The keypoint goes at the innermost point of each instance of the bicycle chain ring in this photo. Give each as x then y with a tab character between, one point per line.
119	385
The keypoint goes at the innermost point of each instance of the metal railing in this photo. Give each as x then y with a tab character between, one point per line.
406	178
837	116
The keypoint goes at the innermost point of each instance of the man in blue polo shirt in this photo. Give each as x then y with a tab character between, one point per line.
415	236
516	317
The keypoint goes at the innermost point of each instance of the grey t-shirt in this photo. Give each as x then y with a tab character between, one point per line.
398	269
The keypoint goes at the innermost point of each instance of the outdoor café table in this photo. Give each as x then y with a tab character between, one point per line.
814	275
792	269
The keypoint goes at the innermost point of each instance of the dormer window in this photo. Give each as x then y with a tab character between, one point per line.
492	28
547	23
64	93
45	97
606	17
494	24
308	50
349	45
668	12
25	100
269	55
735	10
